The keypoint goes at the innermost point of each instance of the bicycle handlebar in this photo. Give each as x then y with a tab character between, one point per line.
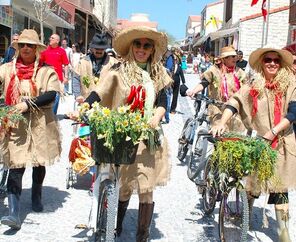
201	97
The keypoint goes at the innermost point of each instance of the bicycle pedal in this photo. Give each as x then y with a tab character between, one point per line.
81	226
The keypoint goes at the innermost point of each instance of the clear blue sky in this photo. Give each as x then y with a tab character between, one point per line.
171	15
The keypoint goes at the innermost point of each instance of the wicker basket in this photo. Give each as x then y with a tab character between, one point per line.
124	153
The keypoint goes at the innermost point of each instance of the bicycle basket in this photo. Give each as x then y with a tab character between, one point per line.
124	153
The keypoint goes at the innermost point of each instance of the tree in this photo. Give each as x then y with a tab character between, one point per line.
43	8
171	38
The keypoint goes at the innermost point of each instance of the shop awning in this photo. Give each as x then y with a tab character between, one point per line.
200	41
222	33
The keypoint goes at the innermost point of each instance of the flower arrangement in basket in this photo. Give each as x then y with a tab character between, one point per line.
115	131
237	156
9	118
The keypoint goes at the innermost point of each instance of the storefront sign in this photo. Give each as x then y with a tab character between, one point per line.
6	16
61	12
5	2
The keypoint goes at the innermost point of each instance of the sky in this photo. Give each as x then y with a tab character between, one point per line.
171	15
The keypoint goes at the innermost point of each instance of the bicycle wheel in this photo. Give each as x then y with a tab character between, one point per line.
184	140
107	212
196	156
234	216
209	194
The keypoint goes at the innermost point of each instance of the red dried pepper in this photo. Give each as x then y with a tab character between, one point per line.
131	95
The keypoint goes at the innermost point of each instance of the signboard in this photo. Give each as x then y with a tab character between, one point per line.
5	2
6	16
61	12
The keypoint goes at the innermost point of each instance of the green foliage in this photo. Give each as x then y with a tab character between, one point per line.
9	117
114	126
243	156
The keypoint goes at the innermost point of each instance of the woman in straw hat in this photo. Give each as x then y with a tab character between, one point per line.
31	88
141	49
268	105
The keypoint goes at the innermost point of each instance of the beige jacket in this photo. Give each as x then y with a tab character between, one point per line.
36	141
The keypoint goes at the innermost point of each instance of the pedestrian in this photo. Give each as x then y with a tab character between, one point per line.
178	76
241	63
204	65
56	56
268	105
69	53
92	67
30	87
141	49
10	52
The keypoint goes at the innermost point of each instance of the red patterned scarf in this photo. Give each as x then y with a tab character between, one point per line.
23	72
224	86
277	105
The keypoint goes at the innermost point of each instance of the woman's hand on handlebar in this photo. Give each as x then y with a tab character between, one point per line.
73	115
218	130
190	93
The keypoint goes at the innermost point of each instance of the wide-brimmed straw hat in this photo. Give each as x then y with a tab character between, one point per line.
286	56
125	38
29	36
227	51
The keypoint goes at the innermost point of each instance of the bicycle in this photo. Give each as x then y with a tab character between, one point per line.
106	187
193	135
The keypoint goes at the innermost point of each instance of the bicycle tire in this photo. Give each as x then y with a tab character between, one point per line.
192	169
209	194
183	146
107	212
228	230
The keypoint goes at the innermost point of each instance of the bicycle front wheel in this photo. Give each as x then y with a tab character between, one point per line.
234	216
209	194
106	212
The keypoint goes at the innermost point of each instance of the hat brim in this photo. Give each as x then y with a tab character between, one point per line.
124	39
41	46
286	56
226	54
103	47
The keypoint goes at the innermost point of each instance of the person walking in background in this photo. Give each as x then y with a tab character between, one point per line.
92	68
241	63
184	63
69	54
31	88
268	105
178	76
76	56
56	56
10	52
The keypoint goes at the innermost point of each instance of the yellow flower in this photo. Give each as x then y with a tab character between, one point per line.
138	117
122	109
106	111
125	123
96	80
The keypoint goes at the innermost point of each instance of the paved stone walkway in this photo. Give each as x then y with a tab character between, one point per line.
177	216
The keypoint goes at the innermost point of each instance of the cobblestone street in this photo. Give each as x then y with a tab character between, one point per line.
177	215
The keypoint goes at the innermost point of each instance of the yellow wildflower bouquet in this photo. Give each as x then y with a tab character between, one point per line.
117	130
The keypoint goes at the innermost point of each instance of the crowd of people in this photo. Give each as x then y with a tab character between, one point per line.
34	76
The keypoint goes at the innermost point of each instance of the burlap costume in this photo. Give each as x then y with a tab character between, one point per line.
85	69
148	170
262	122
33	143
215	76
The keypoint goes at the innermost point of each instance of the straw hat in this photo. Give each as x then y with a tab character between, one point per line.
227	51
29	36
125	38
286	56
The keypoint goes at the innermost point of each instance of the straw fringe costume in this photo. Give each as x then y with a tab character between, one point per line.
33	143
262	122
148	171
222	87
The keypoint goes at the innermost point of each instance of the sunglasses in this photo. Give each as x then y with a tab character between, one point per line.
294	62
274	60
22	45
147	46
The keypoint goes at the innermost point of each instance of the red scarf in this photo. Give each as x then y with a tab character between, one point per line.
23	72
224	86
277	106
